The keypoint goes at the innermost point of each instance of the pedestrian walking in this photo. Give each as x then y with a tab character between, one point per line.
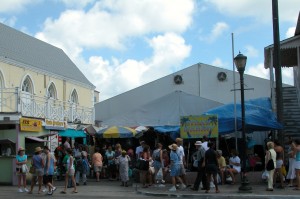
49	171
201	177
38	163
270	155
70	172
211	167
21	169
175	167
279	163
296	146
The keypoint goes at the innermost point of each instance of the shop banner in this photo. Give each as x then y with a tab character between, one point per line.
199	126
32	125
54	125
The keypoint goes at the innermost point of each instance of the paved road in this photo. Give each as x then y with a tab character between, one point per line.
108	189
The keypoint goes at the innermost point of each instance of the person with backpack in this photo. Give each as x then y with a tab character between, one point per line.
158	160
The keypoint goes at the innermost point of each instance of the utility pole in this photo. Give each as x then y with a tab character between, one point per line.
277	66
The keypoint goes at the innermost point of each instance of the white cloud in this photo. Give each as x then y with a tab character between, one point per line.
77	3
112	77
7	6
287	76
113	24
260	10
218	29
217	62
260	71
251	51
290	32
110	23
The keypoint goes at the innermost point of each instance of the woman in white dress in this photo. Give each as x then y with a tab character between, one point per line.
123	168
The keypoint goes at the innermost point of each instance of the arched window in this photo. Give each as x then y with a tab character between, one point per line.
51	93
27	85
74	97
27	90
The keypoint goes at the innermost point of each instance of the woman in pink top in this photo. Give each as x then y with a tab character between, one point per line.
97	163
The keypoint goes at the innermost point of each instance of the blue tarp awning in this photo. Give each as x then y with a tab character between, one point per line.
258	116
72	133
172	131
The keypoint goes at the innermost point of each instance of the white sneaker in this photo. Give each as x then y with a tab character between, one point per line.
163	182
44	190
173	189
26	190
20	190
183	186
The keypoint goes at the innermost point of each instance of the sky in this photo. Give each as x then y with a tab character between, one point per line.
122	44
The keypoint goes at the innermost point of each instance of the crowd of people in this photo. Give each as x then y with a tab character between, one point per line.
74	164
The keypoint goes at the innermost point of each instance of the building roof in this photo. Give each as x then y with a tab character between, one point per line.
22	48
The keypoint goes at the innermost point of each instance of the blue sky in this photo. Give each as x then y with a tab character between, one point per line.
122	44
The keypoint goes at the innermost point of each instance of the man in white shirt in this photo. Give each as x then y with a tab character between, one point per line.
139	149
205	142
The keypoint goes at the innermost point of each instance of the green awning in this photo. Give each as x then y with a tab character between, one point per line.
72	133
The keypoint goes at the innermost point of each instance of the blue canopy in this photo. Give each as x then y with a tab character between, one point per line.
258	116
172	131
72	133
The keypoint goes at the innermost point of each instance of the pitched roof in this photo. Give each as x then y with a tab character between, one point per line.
28	50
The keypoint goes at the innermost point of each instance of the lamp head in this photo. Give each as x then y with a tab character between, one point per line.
240	62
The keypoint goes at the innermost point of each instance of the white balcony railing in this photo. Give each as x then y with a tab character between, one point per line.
13	100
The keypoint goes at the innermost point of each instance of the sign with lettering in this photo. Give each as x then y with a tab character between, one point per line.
54	125
199	126
32	125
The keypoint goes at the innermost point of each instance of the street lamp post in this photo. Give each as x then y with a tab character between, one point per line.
240	63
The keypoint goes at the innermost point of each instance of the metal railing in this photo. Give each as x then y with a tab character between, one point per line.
13	100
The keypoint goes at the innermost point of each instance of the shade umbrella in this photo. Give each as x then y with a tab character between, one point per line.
116	132
140	131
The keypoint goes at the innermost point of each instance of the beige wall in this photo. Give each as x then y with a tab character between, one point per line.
14	76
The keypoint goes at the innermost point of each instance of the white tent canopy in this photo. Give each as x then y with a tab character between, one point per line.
164	111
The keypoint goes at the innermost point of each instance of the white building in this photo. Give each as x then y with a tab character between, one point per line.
208	82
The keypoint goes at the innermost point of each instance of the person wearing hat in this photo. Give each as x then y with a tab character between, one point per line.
38	163
201	177
21	160
124	167
175	167
179	142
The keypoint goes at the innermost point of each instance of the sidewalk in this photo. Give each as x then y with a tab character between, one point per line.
227	191
112	189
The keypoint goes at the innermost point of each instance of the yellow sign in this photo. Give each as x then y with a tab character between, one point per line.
32	125
54	123
199	126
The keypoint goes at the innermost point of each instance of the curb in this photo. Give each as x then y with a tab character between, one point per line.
215	196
